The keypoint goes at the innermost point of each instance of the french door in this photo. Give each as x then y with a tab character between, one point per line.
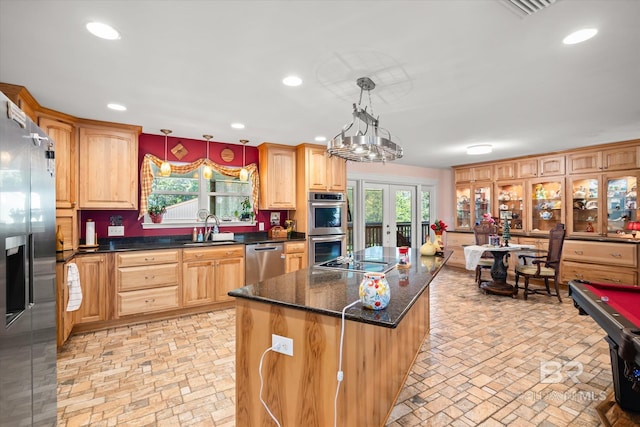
389	212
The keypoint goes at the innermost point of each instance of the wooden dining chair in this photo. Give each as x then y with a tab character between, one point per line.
481	233
543	267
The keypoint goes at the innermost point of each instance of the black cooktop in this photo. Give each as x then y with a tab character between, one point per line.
359	264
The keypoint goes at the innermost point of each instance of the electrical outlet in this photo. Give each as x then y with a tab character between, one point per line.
261	226
282	345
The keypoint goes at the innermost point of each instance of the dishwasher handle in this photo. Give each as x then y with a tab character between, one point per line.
266	248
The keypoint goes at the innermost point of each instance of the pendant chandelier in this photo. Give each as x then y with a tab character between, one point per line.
165	168
244	173
207	172
370	143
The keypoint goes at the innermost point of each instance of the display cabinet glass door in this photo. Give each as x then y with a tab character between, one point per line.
463	208
510	197
621	200
547	209
585	216
482	201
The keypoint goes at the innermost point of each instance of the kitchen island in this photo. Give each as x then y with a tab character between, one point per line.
379	347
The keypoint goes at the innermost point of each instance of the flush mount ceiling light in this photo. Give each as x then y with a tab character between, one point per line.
367	144
103	31
244	173
321	138
237	125
292	81
117	107
580	36
207	172
479	149
165	168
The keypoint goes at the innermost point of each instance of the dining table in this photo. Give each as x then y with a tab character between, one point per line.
498	284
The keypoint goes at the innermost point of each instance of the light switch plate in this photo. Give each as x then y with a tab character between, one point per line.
115	230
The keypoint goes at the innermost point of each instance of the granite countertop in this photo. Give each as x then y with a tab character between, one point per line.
329	291
171	242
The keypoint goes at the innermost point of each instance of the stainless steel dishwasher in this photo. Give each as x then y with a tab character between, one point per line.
263	261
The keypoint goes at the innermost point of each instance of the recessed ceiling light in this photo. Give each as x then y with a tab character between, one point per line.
117	107
292	81
103	31
580	36
237	125
479	149
321	138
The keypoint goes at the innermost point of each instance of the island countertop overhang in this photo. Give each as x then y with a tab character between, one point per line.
328	291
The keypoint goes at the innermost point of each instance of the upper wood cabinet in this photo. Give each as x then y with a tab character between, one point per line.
277	176
20	96
108	177
63	135
474	173
540	167
621	158
505	170
322	172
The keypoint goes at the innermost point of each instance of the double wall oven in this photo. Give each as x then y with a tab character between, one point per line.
327	230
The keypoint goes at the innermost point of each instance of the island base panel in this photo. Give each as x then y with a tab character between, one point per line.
300	389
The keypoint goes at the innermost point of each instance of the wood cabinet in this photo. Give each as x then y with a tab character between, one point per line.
108	172
209	273
473	173
94	284
540	166
504	170
321	172
67	219
147	281
456	243
600	262
277	176
295	256
473	200
64	318
20	96
613	159
63	135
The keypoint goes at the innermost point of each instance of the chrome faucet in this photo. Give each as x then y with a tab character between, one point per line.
207	230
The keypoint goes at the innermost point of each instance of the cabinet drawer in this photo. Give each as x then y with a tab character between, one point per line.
598	273
143	277
601	253
459	239
148	300
294	247
213	253
146	257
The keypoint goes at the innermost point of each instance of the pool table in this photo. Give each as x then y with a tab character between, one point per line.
616	309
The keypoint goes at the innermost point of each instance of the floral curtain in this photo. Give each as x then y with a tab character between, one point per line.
146	177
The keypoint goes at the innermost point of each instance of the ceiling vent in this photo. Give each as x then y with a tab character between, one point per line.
524	8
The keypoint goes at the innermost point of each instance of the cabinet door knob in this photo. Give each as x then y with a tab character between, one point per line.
149	259
149	277
616	255
150	300
578	252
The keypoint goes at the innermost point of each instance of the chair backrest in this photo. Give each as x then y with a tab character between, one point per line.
482	232
556	240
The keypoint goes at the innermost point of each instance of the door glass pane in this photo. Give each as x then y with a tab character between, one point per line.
546	205
511	204
425	200
463	208
350	206
403	217
373	217
621	203
482	197
585	205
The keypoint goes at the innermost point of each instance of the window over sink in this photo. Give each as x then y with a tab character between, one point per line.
188	197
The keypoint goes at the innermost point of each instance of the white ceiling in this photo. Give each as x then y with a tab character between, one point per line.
449	73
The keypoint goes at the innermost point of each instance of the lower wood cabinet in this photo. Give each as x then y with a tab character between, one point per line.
209	273
604	262
456	243
295	256
147	281
94	284
64	318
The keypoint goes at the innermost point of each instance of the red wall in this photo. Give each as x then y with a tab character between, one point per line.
154	144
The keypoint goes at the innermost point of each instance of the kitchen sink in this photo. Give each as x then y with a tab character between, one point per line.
227	237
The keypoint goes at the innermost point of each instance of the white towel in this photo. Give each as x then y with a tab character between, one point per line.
75	292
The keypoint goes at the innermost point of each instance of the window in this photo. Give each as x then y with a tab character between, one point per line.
187	196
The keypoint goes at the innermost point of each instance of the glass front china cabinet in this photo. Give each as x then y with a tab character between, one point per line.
472	201
511	204
547	207
602	204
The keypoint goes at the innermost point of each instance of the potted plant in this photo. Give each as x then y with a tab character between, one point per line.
156	209
247	212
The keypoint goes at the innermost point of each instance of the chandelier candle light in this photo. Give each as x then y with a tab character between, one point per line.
367	144
165	168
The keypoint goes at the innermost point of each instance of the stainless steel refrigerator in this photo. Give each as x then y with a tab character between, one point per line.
27	272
